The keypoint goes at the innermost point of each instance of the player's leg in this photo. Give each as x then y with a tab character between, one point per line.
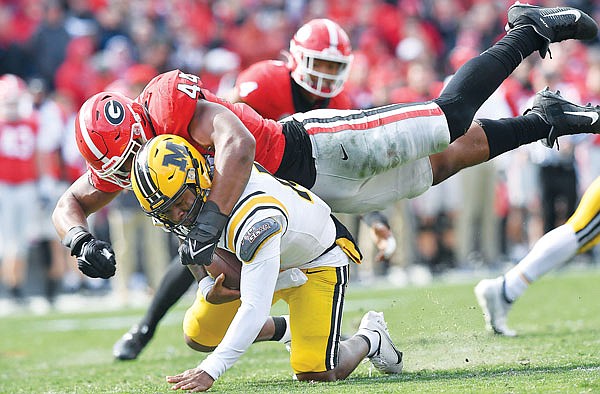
176	281
317	353
549	117
579	234
205	324
531	29
315	322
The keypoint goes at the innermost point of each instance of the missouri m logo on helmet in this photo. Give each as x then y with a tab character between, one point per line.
164	169
114	112
177	157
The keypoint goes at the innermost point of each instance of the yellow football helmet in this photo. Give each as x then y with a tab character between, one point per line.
164	168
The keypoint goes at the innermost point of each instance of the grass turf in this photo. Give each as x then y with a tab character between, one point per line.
439	328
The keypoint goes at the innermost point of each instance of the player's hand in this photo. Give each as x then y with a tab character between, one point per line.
203	237
219	294
195	380
188	252
95	258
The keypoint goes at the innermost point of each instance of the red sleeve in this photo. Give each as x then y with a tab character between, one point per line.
171	102
266	87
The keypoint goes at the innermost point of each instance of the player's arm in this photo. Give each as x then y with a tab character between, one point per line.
95	258
79	201
217	128
260	269
213	290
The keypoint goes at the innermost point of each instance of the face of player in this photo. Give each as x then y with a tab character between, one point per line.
325	67
184	210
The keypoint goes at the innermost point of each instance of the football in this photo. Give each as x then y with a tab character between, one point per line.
226	262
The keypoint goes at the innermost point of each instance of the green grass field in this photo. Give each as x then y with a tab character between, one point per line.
439	328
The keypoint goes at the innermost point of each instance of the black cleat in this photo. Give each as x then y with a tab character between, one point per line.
565	117
552	24
132	343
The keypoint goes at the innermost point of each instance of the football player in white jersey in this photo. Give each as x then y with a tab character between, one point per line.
578	235
275	225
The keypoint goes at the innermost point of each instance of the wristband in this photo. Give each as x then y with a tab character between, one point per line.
205	285
75	238
210	219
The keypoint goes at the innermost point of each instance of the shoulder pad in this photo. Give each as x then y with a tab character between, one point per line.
257	234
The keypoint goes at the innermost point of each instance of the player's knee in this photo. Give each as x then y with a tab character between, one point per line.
197	346
325	376
459	114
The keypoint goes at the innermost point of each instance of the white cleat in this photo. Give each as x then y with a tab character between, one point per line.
489	293
387	358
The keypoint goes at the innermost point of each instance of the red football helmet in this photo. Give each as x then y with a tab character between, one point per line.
320	39
109	131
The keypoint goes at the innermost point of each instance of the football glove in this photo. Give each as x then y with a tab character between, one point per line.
201	242
95	258
190	252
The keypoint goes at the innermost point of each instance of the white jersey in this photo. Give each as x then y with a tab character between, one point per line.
307	229
275	225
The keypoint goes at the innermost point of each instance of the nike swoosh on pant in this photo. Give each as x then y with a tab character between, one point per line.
344	154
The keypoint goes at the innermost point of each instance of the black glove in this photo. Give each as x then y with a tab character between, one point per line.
201	242
95	258
187	252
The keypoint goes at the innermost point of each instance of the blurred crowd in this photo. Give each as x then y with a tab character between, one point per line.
55	54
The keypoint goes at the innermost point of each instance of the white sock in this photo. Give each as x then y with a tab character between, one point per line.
373	337
552	250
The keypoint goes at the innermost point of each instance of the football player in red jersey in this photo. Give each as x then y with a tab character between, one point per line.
314	76
19	172
356	161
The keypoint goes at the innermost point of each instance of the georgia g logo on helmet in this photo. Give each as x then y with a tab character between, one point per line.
114	112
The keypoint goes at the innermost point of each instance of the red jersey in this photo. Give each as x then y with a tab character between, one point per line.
268	87
170	100
18	145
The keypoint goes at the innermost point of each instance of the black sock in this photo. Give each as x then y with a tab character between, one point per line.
280	327
173	286
477	79
52	288
504	135
16	292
